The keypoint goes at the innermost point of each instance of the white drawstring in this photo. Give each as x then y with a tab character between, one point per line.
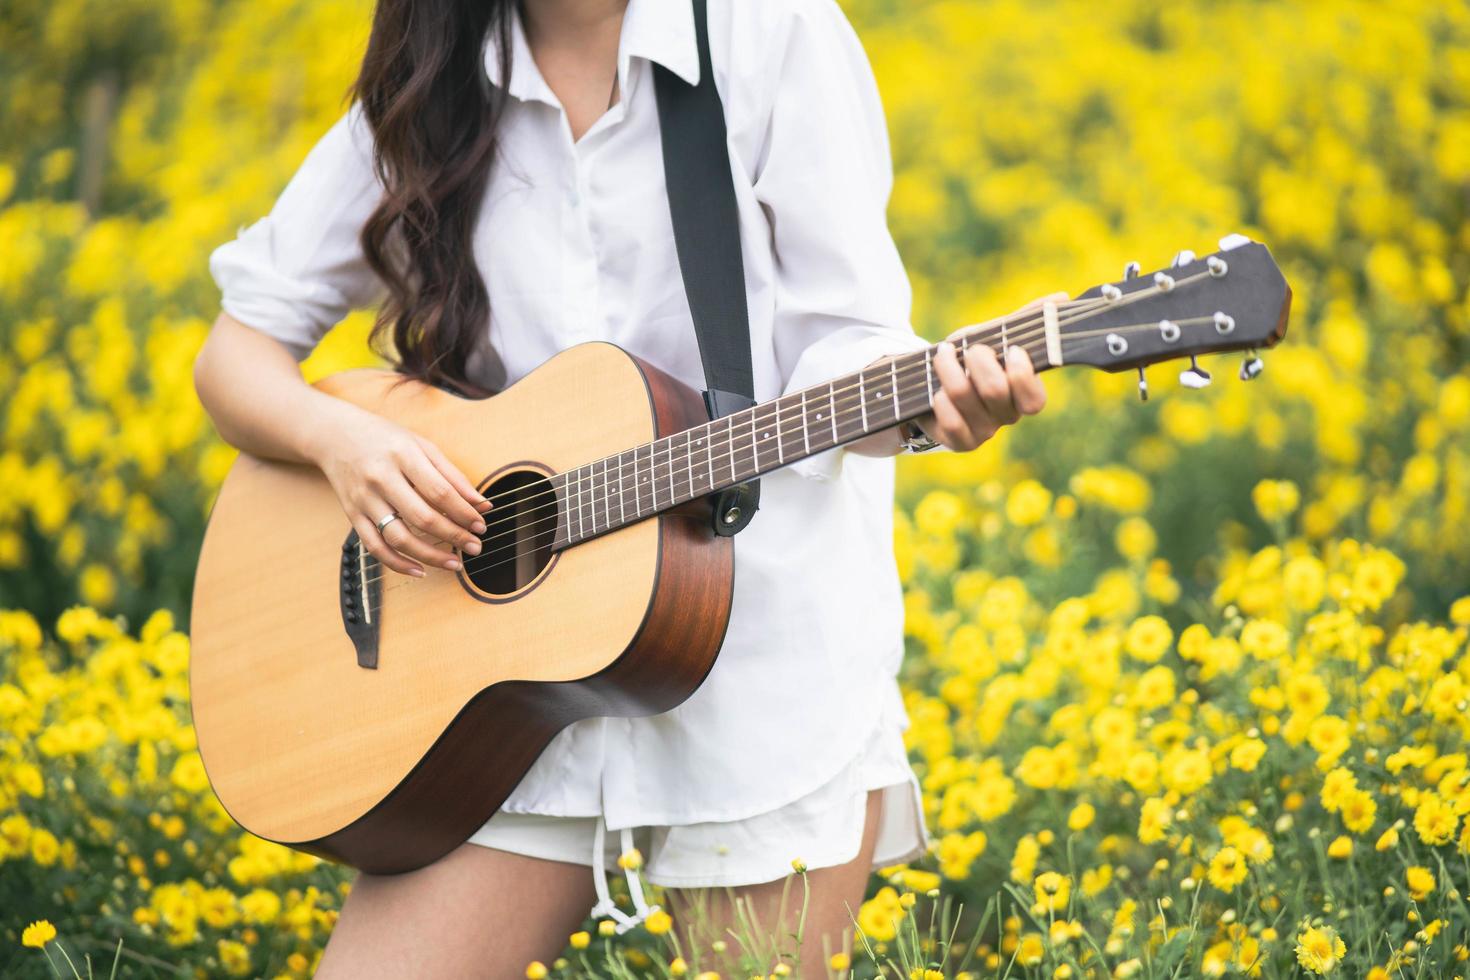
605	906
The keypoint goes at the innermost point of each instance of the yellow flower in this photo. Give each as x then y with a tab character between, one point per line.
1341	848
1053	891
1435	820
580	939
659	922
879	916
678	967
1275	500
38	934
536	970
1420	881
44	847
839	962
1148	638
1388	840
1247	755
1081	816
1155	819
1027	503
1135	538
1358	812
798	865
1319	950
1227	869
631	860
234	956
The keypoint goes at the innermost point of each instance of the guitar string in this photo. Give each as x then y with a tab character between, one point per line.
477	563
538	529
745	444
1024	329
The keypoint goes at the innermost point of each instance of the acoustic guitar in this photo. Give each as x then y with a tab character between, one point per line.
379	719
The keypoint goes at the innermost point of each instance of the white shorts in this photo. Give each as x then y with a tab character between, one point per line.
823	828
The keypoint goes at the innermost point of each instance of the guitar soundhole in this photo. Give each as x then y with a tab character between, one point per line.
519	531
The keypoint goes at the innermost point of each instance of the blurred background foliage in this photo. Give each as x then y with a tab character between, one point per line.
1037	146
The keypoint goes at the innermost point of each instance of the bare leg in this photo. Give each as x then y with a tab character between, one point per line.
835	896
476	912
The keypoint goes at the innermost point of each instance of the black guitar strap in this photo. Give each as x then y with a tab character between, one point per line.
707	238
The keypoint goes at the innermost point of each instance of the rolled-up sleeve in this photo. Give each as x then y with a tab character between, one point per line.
298	271
842	296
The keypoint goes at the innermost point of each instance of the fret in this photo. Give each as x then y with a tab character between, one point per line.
832	411
755	445
709	452
806	436
558	503
591	488
730	446
780	449
669	472
607	518
592	495
893	383
640	477
622	509
863	398
689	461
761	432
576	478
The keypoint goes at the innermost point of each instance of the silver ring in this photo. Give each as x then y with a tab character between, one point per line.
386	521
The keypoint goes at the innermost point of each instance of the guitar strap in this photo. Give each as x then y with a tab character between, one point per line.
707	238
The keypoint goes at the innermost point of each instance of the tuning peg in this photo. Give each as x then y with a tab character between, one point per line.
1183	258
1251	367
1131	270
1142	386
1194	376
1233	241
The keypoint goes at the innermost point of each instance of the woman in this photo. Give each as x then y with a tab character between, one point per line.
497	182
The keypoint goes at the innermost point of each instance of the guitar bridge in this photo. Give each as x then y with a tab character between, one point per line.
360	596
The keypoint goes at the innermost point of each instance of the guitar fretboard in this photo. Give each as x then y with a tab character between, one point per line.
615	491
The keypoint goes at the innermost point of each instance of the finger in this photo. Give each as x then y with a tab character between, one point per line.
433	487
454	475
1027	392
991	384
368	534
954	388
437	529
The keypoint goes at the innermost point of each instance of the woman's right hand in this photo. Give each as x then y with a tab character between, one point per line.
377	468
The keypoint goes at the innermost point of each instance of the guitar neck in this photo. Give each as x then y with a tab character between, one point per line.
656	476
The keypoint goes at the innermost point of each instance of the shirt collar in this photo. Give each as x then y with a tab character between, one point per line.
655	30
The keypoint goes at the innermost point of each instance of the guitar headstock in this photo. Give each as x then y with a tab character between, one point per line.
1233	299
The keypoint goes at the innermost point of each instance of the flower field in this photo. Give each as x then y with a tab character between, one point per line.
1188	679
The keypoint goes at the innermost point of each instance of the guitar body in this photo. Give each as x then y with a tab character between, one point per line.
390	765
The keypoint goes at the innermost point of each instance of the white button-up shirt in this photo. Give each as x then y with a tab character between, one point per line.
575	244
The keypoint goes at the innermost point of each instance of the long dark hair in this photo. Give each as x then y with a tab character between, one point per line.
433	116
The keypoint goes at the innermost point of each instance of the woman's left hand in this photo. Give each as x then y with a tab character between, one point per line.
978	397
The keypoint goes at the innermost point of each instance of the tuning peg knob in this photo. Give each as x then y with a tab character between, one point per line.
1131	270
1251	367
1142	386
1194	376
1184	257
